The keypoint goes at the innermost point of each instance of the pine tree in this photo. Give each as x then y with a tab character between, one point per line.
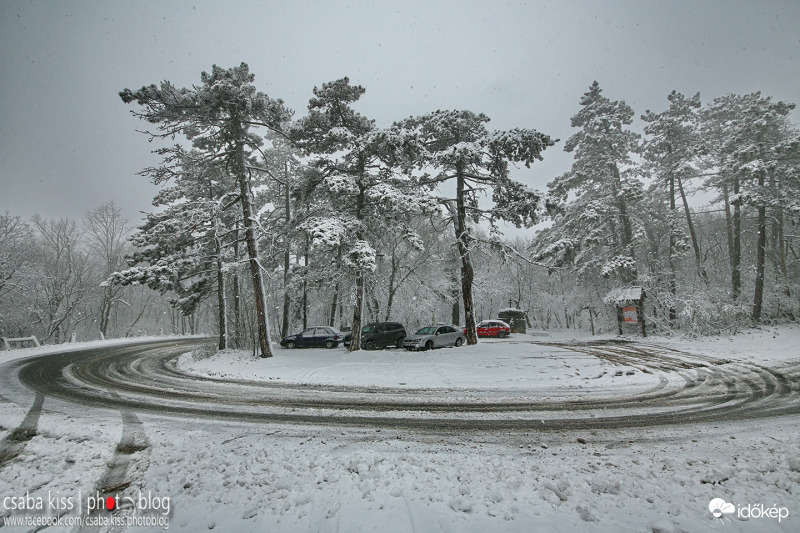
670	154
282	165
744	134
218	116
352	186
179	247
459	147
598	227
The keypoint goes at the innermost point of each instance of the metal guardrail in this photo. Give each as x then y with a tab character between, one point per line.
8	341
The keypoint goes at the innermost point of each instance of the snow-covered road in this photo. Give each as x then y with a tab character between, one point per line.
649	385
554	435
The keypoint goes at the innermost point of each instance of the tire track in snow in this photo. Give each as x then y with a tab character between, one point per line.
118	475
145	378
13	443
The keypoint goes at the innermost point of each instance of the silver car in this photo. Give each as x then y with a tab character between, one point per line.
437	336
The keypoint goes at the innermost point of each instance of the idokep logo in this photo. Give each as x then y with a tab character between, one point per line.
721	509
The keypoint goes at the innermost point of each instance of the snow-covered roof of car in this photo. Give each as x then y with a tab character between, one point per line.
495	320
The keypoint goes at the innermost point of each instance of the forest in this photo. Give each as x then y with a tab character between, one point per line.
265	223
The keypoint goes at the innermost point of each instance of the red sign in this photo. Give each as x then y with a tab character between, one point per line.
629	315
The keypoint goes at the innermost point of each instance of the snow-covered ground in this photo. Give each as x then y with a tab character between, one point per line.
226	476
503	364
22	353
522	362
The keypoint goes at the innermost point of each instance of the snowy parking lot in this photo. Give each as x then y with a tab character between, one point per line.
504	364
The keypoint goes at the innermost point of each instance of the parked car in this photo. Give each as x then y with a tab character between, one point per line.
436	336
493	328
314	337
380	335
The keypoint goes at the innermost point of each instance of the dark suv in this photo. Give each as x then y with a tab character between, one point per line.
380	335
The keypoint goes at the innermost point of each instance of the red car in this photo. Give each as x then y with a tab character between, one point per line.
493	328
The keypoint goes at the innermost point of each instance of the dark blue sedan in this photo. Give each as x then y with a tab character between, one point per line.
315	337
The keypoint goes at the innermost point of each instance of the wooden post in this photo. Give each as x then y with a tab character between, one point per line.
640	315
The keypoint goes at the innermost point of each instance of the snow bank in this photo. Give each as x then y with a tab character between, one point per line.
21	353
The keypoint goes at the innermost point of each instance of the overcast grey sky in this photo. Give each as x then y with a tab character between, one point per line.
68	143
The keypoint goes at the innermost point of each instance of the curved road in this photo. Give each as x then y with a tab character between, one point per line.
144	378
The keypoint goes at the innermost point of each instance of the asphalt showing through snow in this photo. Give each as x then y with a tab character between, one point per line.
144	378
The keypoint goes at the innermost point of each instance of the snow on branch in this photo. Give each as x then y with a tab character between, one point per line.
326	231
362	257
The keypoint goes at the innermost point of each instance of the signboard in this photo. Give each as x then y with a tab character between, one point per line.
629	304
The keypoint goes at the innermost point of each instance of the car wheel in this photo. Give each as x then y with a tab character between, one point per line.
330	344
369	345
429	345
291	345
459	342
399	342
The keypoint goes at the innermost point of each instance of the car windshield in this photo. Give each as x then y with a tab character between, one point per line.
426	331
366	329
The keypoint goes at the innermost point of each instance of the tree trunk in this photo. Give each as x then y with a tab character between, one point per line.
305	286
287	252
334	302
463	243
736	274
237	309
761	249
373	305
758	294
260	299
778	237
728	223
627	231
392	289
355	337
222	307
341	311
105	314
673	276
221	302
456	316
692	233
336	289
783	252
